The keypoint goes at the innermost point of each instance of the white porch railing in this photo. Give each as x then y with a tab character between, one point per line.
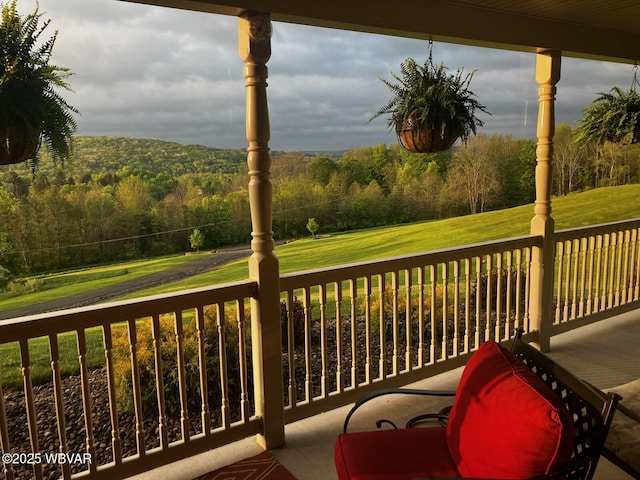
176	369
597	273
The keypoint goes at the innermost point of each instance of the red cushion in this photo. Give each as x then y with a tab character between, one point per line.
394	454
506	422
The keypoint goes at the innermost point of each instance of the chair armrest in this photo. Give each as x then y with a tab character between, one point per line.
393	391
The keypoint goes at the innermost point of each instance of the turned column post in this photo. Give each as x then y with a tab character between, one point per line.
541	299
254	31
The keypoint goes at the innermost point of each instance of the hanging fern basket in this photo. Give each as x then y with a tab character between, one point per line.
19	144
425	140
430	108
612	117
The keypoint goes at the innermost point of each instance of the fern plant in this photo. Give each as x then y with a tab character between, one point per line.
427	97
31	109
611	117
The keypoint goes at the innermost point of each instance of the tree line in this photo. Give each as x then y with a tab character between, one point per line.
126	198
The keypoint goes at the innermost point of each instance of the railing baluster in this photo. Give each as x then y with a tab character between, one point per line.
567	282
445	313
116	443
29	398
478	300
634	287
54	353
498	297
527	294
574	280
353	286
606	248
157	353
456	308
519	301
408	364
489	292
584	247
86	396
394	324
625	267
611	267
382	373
308	380
559	278
178	331
592	295
242	357
421	300
368	334
137	392
598	273
202	363
467	303
620	249
434	318
222	357
339	345
5	445
508	308
291	348
324	386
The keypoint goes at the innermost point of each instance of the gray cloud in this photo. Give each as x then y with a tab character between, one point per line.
174	75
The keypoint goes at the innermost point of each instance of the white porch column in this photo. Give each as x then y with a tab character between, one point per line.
541	308
254	30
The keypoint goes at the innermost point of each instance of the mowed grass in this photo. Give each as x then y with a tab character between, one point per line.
59	285
588	208
593	207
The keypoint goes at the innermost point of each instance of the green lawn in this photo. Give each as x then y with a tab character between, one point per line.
54	286
596	206
587	208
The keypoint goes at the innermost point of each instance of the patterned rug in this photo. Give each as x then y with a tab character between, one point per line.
260	467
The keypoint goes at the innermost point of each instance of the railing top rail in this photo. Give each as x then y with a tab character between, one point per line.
373	267
569	233
114	312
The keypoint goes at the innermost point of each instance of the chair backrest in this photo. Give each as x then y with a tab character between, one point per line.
591	409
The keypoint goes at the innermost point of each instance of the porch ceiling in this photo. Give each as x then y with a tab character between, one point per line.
597	29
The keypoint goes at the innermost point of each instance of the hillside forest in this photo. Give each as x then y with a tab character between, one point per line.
125	198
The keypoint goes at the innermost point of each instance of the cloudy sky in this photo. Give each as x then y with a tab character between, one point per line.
161	73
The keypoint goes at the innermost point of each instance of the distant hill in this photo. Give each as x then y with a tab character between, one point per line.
94	154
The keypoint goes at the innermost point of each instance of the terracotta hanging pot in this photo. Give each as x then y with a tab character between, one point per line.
425	140
624	140
19	145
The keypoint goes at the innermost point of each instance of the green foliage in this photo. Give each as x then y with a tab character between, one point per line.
196	239
400	313
28	87
296	311
612	116
312	226
95	210
5	278
168	349
428	97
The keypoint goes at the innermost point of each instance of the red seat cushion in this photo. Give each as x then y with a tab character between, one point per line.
394	454
506	422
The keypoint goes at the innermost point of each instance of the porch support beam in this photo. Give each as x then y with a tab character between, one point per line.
541	308
254	32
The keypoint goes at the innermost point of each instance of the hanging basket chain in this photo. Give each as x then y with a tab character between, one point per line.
634	82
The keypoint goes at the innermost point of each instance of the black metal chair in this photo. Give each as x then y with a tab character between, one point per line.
591	409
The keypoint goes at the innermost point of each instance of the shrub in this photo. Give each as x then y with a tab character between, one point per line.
512	289
168	349
297	316
402	315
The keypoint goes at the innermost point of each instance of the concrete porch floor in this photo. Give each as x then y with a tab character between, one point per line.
605	353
